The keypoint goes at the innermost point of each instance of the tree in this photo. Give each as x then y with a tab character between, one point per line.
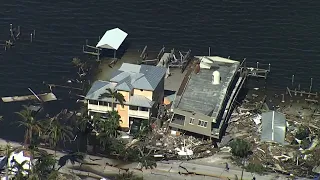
145	159
108	128
7	152
30	123
56	131
240	148
82	66
116	97
127	176
72	157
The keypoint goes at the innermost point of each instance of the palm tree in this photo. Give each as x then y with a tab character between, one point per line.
30	123
145	159
56	131
116	96
108	128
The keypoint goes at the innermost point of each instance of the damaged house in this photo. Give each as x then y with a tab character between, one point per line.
205	98
142	87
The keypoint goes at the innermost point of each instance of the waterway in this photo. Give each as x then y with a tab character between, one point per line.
284	34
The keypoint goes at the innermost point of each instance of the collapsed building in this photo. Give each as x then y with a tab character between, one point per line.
204	101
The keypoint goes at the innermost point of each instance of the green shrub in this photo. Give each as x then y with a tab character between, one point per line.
255	168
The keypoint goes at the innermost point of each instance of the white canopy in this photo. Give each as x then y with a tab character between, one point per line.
112	39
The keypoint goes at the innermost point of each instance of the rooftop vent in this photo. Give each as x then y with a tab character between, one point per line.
216	77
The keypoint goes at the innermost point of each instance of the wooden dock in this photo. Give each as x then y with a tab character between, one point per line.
44	97
254	71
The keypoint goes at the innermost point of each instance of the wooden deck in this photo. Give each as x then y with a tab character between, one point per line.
44	97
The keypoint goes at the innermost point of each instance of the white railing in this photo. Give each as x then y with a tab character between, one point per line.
99	107
139	114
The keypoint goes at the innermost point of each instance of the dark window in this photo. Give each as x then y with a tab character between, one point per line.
202	123
191	120
205	124
199	123
133	108
178	119
143	109
93	102
104	103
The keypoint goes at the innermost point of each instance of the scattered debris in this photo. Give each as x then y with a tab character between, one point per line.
300	155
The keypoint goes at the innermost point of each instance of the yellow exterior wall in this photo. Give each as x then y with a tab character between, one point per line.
145	93
123	111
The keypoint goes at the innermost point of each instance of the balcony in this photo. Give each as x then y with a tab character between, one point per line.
139	114
99	108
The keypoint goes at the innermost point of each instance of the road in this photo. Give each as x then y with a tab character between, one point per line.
165	169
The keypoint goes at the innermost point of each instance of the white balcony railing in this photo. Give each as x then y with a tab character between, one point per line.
139	114
99	108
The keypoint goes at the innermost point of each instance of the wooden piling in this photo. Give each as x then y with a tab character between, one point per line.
292	80
31	37
289	92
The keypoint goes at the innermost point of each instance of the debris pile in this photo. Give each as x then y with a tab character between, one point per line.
300	153
181	146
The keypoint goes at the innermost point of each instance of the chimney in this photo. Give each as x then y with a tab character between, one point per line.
216	78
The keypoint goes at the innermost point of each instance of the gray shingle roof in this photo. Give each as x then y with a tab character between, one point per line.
200	95
273	127
145	77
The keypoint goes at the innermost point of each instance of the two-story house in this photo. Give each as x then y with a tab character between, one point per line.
206	96
142	87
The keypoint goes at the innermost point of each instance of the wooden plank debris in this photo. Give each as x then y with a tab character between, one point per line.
45	97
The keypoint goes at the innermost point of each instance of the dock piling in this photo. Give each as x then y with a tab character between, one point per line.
311	79
209	51
34	33
282	98
31	37
257	65
292	80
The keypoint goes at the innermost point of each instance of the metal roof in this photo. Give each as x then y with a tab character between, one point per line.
141	101
130	76
112	39
200	95
273	127
99	87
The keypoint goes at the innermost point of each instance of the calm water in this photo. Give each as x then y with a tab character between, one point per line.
283	34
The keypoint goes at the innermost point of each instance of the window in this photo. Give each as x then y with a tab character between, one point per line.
102	103
191	120
141	89
135	108
144	109
93	102
202	123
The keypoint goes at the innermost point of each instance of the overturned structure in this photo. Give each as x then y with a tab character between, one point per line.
205	98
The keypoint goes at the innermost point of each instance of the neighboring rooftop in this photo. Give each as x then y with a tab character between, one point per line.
198	94
130	76
112	39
